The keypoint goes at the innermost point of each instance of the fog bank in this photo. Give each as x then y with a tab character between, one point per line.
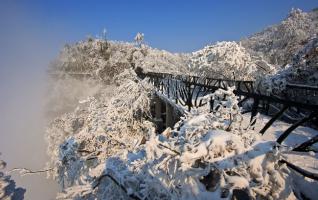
26	49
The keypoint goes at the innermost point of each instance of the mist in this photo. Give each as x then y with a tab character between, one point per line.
26	49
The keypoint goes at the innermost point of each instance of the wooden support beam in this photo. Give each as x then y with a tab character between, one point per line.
169	116
241	102
273	119
299	170
294	126
254	110
305	146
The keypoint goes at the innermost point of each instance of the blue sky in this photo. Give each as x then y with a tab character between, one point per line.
178	26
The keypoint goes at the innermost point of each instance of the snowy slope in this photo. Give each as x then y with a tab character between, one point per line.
278	43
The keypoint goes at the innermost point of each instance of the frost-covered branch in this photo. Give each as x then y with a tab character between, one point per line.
300	170
98	181
25	171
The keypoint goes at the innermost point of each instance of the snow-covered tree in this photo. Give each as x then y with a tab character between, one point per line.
104	33
227	60
278	43
139	38
86	57
201	159
302	70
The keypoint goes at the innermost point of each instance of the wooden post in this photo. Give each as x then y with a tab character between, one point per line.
254	110
169	116
270	122
294	126
305	146
158	111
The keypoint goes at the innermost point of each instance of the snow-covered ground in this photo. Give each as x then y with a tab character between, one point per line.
298	136
207	155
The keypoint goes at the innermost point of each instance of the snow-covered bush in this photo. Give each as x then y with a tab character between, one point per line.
99	127
105	59
307	57
201	159
227	60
